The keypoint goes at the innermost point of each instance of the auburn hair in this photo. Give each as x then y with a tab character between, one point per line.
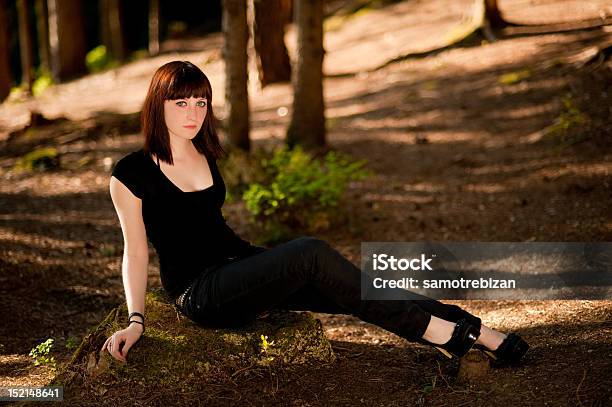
171	81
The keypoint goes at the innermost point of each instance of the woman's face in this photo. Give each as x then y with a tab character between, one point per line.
184	117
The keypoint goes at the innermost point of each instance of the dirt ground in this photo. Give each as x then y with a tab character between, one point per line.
459	154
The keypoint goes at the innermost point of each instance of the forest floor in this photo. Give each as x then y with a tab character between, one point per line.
457	141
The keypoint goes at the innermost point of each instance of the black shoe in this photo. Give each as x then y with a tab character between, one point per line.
509	352
463	338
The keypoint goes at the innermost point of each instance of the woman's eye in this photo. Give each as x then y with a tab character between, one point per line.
201	103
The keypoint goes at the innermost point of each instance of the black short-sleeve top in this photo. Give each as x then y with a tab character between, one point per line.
187	229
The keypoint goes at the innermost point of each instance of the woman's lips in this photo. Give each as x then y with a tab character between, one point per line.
192	126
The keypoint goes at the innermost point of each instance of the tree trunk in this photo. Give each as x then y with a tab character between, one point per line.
5	67
272	58
42	25
111	28
493	16
25	46
153	27
235	32
308	120
66	39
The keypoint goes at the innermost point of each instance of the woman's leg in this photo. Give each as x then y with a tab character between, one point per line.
308	274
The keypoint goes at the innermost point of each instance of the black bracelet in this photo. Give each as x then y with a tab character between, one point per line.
138	314
138	322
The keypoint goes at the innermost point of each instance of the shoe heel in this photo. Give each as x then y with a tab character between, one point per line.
444	352
462	340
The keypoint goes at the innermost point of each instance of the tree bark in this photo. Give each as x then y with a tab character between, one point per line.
112	28
26	49
6	78
42	26
493	16
308	120
235	32
153	27
66	39
272	58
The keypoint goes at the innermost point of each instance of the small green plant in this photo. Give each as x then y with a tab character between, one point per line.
107	250
512	78
428	388
571	117
71	343
42	82
15	91
265	346
99	59
40	354
40	159
300	193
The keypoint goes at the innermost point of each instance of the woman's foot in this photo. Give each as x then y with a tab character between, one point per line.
458	339
490	338
439	331
452	339
503	349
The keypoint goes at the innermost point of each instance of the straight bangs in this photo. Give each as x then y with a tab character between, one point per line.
187	83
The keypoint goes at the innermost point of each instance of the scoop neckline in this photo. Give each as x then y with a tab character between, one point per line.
150	158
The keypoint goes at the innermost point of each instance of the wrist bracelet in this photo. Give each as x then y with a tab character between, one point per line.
138	322
136	314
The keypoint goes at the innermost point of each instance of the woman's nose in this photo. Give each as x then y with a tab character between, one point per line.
191	113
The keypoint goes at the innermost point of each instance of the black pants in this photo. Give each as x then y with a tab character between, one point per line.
305	274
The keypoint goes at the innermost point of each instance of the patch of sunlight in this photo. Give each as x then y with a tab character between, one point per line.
423	187
403	198
484	188
470	22
36	240
458	33
530	165
524	111
576	169
333	23
450	137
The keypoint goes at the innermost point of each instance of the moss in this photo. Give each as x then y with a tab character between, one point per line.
176	353
567	128
512	78
39	159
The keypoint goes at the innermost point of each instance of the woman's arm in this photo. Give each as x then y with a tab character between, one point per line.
133	267
135	262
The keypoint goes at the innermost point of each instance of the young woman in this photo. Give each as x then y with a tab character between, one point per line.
171	192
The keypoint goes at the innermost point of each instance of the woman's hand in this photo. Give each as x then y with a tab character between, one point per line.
119	344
